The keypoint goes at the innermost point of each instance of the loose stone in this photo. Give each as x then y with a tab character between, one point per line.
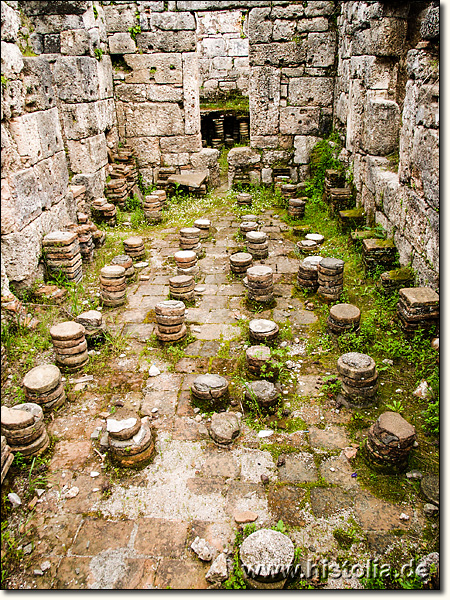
266	557
264	393
263	330
203	549
224	428
389	441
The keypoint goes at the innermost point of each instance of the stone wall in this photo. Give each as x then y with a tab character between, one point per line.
386	105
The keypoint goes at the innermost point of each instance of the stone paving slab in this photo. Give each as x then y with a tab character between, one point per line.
164	401
299	468
161	537
331	437
98	535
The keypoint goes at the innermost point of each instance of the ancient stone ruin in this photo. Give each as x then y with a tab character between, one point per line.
220	294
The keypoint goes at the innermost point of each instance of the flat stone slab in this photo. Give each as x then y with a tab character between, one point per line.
298	468
262	326
393	425
15	419
419	296
68	330
345	313
192	180
326	502
91	318
133	242
332	264
268	551
315	237
113	272
59	238
284	503
332	437
42	379
429	487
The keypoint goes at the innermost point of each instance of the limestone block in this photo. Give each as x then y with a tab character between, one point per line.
375	73
278	53
76	79
271	157
119	17
356	99
264	100
259	26
51	43
243	84
75	42
147	150
425	164
216	4
265	141
10	23
317	8
121	43
10	158
303	145
175	160
156	118
241	63
243	157
167	41
222	63
37	135
299	120
374	168
238	47
52	176
381	127
55	7
210	23
87	155
105	77
266	176
307	91
173	21
154	68
38	83
8	213
316	24
422	65
190	93
429	28
283	30
181	143
293	11
57	23
93	182
383	38
151	5
212	47
26	193
80	120
11	60
321	49
206	158
148	176
106	114
341	108
140	92
13	99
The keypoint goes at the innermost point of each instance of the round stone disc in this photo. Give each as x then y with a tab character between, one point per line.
170	308
113	272
251	218
38	446
262	326
133	242
269	550
259	273
185	256
91	318
30	407
202	223
136	444
181	281
68	330
256	237
171	337
241	258
123	424
356	365
224	428
258	354
264	392
315	237
75	360
123	260
333	264
345	313
210	386
312	260
15	419
190	232
44	378
307	244
248	226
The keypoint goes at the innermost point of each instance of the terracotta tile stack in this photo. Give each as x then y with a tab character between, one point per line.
330	277
257	244
190	240
113	285
43	386
359	379
247	226
131	440
296	208
7	457
116	190
264	393
182	288
153	208
170	317
103	212
244	199
240	262
210	387
259	363
389	442
307	277
4	363
186	261
205	226
134	247
344	318
125	261
418	308
62	255
70	345
288	190
259	283
378	253
24	429
390	281
263	330
163	175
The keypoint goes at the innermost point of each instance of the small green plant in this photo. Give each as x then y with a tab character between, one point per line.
98	53
431	418
134	31
395	406
4	80
94	8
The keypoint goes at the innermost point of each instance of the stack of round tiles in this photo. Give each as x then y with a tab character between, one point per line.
296	208
418	308
344	318
288	190
162	195
134	247
43	386
24	429
125	261
7	458
4	363
182	287
103	211
62	254
86	242
240	262
307	277
244	198
204	225
259	282
70	345
389	441
330	276
359	379
259	363
130	440
190	239
92	321
210	387
113	285
257	244
264	393
311	242
153	208
263	330
247	226
170	315
186	261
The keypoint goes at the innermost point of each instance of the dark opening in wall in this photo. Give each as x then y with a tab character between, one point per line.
225	128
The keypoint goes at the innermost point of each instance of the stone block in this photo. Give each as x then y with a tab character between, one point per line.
425	164
38	84
10	23
76	79
278	53
190	93
205	159
222	63
377	74
87	118
271	157
119	17
316	24
266	176
151	119
175	160
57	23
8	213
307	91
87	155
321	49
93	182
167	41
212	47
106	114
299	120
121	43
37	135
105	77
303	145
51	43
140	92
264	141
75	42
26	194
212	23
243	157
52	176
283	31
182	143
384	38
13	99
173	21
381	127
429	28
57	7
318	8
147	150
11	60
154	68
259	26
264	100
238	47
292	11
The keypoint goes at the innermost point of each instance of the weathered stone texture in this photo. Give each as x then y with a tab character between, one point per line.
307	91
10	23
190	92
264	100
150	119
37	135
87	155
381	125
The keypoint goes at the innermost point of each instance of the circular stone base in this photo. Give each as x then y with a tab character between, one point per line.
258	585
